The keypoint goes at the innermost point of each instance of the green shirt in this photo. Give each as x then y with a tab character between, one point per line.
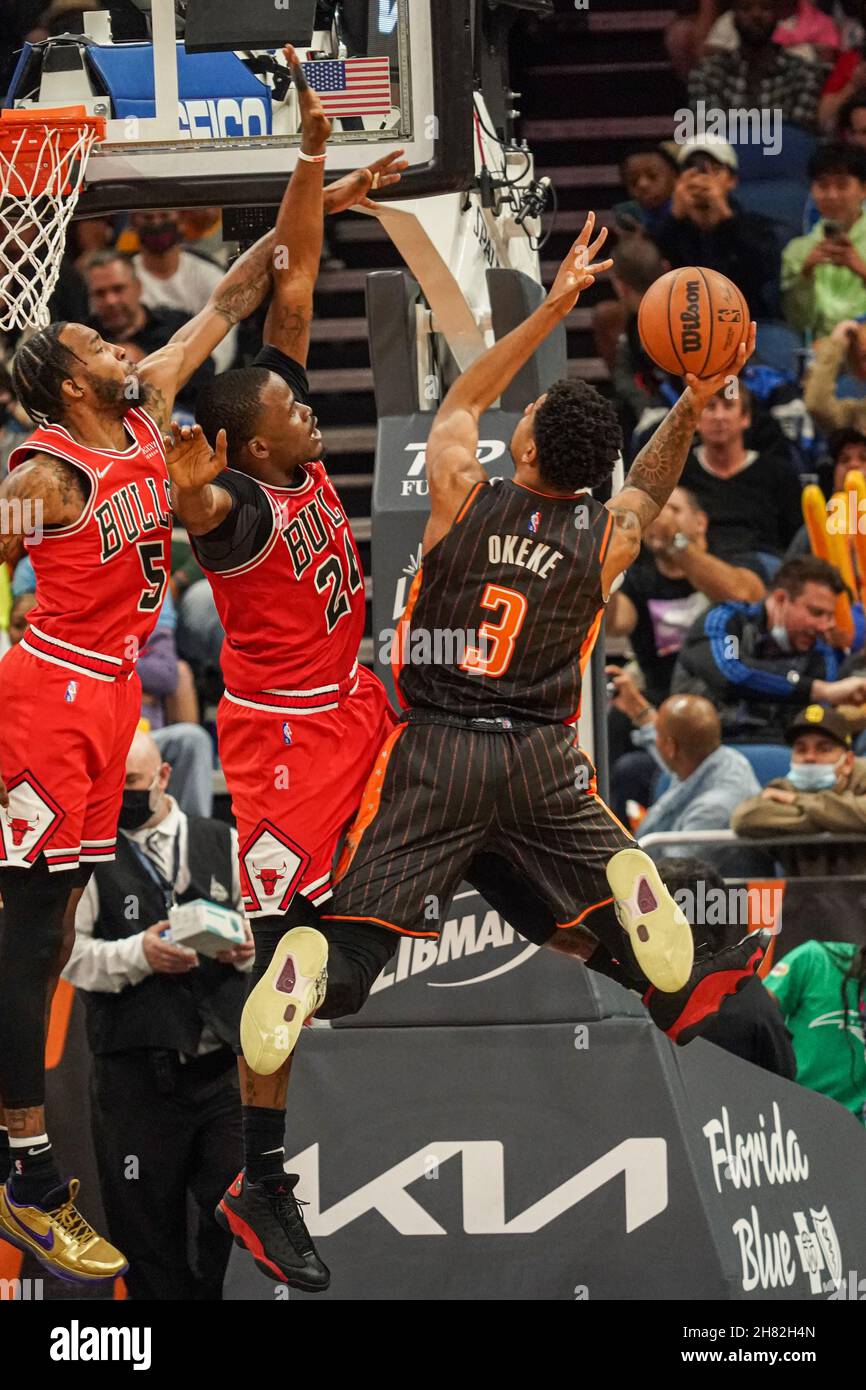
819	301
808	985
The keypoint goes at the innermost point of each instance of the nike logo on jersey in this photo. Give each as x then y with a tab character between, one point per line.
527	554
101	472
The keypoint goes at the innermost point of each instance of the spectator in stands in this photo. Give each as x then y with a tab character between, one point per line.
118	313
825	790
847	450
732	484
648	176
758	662
708	780
844	348
851	120
824	272
636	378
21	606
840	109
749	1024
174	278
15	426
673	581
706	227
162	1023
801	27
819	987
760	73
202	232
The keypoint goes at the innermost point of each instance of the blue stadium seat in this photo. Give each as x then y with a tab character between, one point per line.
776	185
768	760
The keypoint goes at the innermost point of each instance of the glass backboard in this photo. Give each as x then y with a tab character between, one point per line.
218	125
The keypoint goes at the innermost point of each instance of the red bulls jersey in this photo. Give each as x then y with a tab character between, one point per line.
100	582
289	590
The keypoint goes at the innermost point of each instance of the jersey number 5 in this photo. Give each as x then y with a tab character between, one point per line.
493	656
338	581
152	557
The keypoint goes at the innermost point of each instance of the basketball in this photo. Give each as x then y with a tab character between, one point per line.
693	320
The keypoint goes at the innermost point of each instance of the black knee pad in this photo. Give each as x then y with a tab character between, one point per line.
357	953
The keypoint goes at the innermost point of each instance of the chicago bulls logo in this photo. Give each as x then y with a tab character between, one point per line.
269	878
29	823
272	869
19	827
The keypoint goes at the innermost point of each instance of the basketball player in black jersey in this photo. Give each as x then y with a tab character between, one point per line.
484	778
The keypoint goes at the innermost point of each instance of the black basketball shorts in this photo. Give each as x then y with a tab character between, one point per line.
445	790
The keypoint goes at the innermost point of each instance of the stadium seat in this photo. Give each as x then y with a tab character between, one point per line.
768	760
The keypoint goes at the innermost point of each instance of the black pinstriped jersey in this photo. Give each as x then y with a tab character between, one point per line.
503	615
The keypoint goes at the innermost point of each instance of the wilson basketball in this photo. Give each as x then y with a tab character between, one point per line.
693	320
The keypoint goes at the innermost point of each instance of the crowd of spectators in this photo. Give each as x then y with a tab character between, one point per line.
724	638
737	693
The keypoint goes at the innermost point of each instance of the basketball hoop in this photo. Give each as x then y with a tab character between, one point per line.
43	159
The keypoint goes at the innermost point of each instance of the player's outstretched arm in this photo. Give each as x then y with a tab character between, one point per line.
659	465
299	229
193	466
452	466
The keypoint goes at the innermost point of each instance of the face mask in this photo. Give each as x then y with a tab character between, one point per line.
136	808
815	777
161	237
779	634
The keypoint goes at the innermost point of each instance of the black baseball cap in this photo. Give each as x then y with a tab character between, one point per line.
815	718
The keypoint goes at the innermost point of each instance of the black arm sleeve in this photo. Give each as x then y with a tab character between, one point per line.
244	532
293	374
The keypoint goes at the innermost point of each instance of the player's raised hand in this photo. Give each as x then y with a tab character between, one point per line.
579	269
315	126
352	189
707	387
192	463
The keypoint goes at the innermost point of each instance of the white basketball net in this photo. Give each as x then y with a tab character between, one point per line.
41	175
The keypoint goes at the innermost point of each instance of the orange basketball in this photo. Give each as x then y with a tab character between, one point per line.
693	320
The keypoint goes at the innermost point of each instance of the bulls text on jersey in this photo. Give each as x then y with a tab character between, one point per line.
309	530
130	513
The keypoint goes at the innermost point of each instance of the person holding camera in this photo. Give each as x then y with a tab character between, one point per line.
706	227
162	1023
824	272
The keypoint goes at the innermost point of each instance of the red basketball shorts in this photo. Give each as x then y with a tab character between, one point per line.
296	783
64	739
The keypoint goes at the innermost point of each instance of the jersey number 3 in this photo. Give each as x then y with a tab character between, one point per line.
338	581
496	640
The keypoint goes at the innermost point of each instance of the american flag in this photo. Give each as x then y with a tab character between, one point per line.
351	87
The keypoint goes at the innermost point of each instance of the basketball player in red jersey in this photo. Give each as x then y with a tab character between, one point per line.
300	723
94	478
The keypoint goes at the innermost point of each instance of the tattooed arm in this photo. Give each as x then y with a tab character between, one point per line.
43	491
299	231
659	465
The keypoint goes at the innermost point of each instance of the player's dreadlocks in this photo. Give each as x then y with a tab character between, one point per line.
577	435
232	402
39	369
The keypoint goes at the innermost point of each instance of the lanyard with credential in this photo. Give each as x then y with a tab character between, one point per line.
167	889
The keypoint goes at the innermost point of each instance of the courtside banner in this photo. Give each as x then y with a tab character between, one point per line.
481	971
567	1162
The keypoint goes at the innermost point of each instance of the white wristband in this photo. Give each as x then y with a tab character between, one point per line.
312	158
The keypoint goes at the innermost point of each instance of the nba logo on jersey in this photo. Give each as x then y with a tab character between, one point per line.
534	522
287	733
71	692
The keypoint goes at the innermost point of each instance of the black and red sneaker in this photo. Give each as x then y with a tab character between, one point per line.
265	1218
684	1015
